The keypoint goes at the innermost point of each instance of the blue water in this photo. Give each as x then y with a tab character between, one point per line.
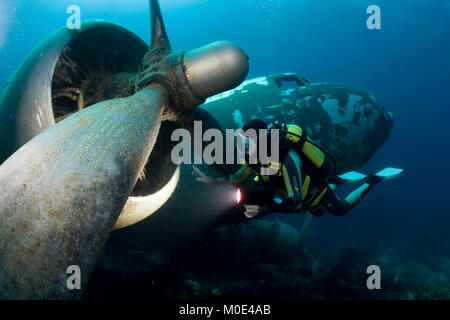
405	64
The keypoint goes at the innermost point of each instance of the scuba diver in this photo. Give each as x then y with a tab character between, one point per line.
304	180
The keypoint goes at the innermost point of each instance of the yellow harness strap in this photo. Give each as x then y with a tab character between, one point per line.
305	187
313	153
317	200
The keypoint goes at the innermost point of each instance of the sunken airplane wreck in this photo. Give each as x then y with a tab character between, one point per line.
85	144
195	210
345	120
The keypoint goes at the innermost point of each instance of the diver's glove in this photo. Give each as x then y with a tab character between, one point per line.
251	211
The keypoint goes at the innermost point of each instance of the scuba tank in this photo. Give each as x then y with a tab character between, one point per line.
313	156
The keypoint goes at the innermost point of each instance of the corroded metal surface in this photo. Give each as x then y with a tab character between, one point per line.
62	192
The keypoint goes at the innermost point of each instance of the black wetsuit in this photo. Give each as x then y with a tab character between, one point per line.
305	172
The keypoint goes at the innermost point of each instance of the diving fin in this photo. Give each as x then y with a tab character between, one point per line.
352	176
388	173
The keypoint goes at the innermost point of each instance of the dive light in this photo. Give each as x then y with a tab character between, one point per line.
238	196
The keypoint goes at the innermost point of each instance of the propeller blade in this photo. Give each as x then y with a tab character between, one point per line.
159	38
139	208
62	192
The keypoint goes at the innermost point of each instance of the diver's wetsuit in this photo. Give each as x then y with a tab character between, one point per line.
285	183
291	183
303	178
291	169
336	206
331	203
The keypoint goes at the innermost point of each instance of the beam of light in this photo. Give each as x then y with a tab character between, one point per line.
238	195
139	208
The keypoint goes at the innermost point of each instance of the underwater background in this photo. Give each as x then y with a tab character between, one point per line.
402	225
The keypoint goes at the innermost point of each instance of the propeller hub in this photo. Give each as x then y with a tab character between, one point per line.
215	68
191	77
